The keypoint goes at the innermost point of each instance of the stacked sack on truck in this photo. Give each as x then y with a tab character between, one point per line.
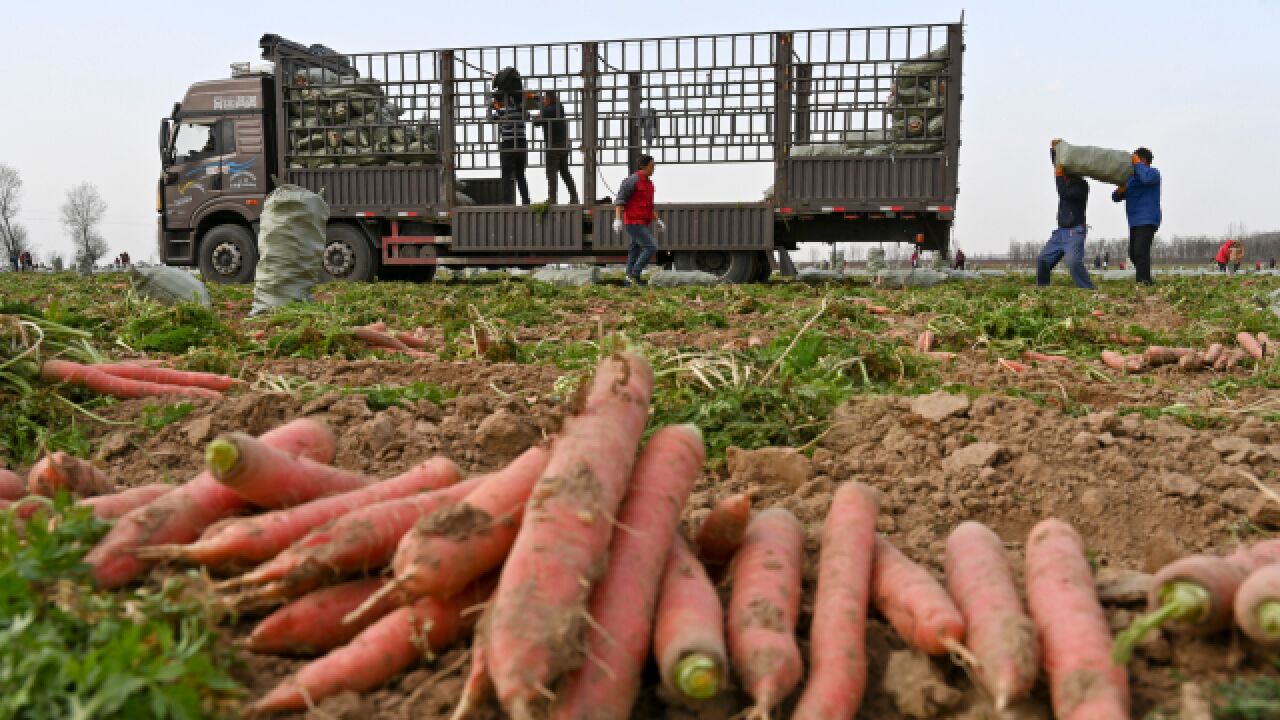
344	120
916	112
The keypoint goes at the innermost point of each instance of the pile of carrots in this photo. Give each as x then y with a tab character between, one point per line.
1217	356
376	335
570	567
137	380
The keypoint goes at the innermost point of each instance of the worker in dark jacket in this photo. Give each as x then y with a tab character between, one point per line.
1068	240
555	133
1141	197
633	210
513	147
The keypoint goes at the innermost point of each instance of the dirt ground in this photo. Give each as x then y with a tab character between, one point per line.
1140	491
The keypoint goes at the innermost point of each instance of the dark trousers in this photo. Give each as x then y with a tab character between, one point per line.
641	249
514	160
1064	243
1140	239
558	168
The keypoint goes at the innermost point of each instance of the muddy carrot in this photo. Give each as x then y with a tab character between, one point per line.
180	516
764	606
313	623
110	507
924	343
382	650
258	538
166	376
449	549
1212	355
273	479
65	371
1114	360
1191	362
561	551
1083	682
998	632
1013	366
477	689
688	633
721	532
60	471
623	603
1250	345
837	636
914	603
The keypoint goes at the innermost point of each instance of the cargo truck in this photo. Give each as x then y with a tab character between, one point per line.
858	129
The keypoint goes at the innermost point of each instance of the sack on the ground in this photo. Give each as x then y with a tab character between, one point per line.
290	247
682	278
568	277
1108	166
168	285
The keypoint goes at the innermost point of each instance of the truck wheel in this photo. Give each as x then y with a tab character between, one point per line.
763	269
228	254
736	267
348	255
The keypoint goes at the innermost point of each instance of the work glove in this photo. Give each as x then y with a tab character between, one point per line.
617	226
660	226
1058	171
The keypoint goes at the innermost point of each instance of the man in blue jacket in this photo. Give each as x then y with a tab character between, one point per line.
1141	196
1068	240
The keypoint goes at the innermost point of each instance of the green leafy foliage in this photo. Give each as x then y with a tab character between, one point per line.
67	651
159	328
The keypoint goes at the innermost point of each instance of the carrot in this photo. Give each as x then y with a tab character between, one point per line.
411	340
539	609
1033	356
878	310
355	542
1257	606
382	650
1083	682
1191	362
477	689
313	623
447	550
1114	360
1236	357
65	371
1134	363
1250	345
273	479
764	606
1195	594
924	343
688	633
60	471
623	603
167	376
251	540
378	337
915	603
1157	355
11	486
721	533
180	516
998	632
837	636
1013	366
110	507
1212	354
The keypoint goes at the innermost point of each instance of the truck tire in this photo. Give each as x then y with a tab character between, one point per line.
731	266
348	256
763	269
228	255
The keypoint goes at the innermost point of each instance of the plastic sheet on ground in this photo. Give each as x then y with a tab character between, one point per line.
816	275
963	275
918	277
681	278
568	277
291	247
168	285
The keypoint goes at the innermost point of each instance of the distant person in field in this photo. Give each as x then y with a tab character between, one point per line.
633	210
1141	197
959	265
1106	259
915	259
1068	240
1223	258
555	133
1272	264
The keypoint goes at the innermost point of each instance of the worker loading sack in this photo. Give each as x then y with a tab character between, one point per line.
1114	167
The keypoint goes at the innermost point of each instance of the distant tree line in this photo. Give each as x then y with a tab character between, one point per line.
1178	250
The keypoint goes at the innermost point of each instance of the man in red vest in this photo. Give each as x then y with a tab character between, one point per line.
633	209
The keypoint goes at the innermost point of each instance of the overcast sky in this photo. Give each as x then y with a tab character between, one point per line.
1196	82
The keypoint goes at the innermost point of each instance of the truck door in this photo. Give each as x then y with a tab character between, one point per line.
201	168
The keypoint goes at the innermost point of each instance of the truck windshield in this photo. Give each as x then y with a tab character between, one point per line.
193	140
